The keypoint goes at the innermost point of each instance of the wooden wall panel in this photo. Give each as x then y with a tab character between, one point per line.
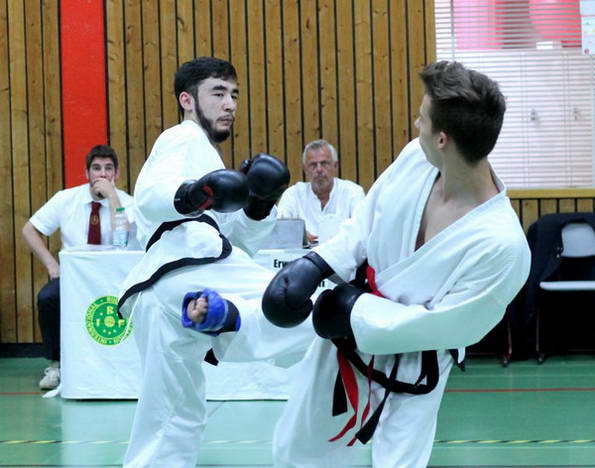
274	74
116	86
347	144
8	322
151	73
293	95
343	70
36	123
364	108
135	90
20	167
256	86
238	55
328	72
309	71
31	147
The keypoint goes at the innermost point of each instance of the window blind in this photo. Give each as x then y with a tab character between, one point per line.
532	48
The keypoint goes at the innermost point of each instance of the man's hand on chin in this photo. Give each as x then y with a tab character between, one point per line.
103	188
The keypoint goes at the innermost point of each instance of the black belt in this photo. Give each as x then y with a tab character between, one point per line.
182	262
430	372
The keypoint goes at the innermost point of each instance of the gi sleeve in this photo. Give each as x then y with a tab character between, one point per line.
172	163
243	232
474	304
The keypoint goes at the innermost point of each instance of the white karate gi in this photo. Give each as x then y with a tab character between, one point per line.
300	201
171	412
447	294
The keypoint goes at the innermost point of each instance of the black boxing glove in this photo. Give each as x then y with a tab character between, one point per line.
268	178
332	311
286	302
222	190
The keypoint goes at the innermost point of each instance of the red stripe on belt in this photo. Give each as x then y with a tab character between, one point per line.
350	381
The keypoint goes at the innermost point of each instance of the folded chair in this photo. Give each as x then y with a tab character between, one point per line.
576	272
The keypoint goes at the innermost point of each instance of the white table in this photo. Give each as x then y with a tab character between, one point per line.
100	362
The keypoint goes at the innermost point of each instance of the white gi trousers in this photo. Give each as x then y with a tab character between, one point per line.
171	412
403	437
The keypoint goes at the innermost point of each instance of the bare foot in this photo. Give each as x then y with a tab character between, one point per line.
197	309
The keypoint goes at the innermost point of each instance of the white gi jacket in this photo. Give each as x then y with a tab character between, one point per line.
182	153
300	201
451	291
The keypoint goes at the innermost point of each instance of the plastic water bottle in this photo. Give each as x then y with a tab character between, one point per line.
120	230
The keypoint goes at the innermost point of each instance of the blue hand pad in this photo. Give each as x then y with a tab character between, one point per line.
216	313
186	322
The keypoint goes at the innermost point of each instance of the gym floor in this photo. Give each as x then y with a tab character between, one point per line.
523	415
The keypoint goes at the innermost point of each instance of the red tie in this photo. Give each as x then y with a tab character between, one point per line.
94	236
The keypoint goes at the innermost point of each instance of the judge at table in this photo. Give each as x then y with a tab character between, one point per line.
324	200
84	215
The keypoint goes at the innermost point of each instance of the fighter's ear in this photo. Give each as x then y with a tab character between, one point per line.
186	101
442	140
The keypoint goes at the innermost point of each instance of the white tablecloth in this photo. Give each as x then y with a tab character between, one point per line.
99	360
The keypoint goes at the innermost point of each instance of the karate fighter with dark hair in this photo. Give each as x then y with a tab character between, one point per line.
192	215
443	253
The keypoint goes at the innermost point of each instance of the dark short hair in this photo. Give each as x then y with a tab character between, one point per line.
190	75
466	105
101	151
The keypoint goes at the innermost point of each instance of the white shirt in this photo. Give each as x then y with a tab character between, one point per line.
69	211
300	201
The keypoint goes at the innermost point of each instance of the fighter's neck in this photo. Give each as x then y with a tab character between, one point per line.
464	184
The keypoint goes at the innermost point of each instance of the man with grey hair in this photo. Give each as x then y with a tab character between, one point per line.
324	199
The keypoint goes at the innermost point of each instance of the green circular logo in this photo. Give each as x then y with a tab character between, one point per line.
103	323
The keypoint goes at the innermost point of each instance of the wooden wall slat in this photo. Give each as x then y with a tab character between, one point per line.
548	207
221	49
399	76
256	85
382	86
37	163
274	83
364	94
52	104
567	205
151	74
221	30
185	30
202	25
417	57
293	95
53	121
584	205
116	88
8	321
169	61
430	31
20	166
310	81
238	52
347	144
529	212
328	72
135	89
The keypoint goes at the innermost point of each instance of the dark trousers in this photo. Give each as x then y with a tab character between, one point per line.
48	306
